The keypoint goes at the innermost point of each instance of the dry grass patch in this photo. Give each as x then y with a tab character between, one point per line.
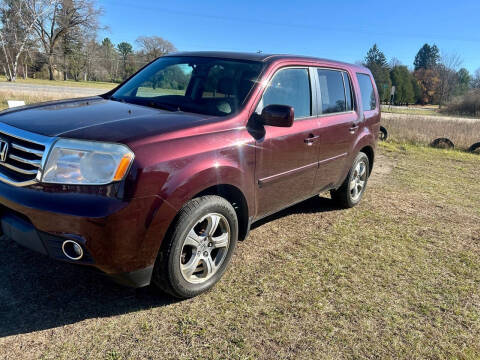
423	130
395	278
68	83
31	97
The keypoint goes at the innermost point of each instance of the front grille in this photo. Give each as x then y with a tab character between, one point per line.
22	159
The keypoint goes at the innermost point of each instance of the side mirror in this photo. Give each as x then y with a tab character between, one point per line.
277	115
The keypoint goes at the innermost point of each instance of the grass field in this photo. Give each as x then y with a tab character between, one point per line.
69	83
410	111
422	130
397	277
29	98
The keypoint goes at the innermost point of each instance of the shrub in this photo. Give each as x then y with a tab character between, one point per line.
467	105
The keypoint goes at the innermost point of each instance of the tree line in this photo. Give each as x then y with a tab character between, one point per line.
57	39
434	79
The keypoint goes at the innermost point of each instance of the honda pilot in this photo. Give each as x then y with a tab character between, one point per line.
155	181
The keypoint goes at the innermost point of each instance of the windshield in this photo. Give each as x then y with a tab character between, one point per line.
202	85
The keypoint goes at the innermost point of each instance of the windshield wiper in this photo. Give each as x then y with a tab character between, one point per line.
113	98
154	104
163	106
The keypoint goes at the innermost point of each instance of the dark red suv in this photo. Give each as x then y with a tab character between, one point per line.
155	181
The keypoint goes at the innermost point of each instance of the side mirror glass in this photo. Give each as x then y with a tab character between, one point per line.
277	115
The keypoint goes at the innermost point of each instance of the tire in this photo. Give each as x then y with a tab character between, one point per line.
344	196
383	134
442	143
475	148
190	240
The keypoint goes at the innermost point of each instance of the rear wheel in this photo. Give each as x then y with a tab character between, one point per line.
351	192
193	259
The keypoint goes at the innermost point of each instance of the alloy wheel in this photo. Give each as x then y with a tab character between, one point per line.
205	248
358	181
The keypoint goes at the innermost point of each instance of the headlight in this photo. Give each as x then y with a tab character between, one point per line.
79	162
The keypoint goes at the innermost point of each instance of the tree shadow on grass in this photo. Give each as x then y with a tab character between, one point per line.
38	293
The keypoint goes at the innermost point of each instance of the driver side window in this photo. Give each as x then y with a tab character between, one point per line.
289	87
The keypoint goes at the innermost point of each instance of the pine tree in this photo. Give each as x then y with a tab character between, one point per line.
377	63
427	57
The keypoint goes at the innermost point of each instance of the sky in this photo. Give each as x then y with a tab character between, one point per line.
339	30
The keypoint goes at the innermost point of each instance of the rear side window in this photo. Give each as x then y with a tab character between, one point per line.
332	91
368	95
289	87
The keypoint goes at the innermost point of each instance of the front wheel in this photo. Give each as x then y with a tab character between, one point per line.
193	259
351	192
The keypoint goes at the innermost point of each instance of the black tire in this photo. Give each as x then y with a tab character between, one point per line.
343	195
167	274
442	143
383	133
475	148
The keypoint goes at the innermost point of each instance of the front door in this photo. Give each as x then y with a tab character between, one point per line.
287	158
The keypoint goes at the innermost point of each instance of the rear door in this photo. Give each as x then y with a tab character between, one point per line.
338	125
287	158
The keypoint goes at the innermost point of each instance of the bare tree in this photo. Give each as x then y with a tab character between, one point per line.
447	75
66	15
18	22
476	79
154	46
394	62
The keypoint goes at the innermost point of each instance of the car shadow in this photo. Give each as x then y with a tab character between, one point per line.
38	293
317	204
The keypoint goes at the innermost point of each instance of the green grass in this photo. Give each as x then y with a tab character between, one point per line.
410	111
397	277
70	83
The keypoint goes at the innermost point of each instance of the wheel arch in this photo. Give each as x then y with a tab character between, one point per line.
235	197
368	150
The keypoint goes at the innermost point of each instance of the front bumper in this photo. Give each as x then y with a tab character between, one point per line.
114	234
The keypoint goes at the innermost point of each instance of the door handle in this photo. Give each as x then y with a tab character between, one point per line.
354	128
311	139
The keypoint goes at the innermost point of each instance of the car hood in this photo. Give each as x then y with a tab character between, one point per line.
96	118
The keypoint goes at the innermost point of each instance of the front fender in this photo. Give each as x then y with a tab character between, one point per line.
182	186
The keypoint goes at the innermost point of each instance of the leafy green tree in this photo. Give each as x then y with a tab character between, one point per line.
125	49
464	79
417	90
427	57
476	80
109	58
376	61
402	80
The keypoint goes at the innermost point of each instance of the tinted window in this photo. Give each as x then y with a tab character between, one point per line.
348	92
202	85
332	91
368	95
289	87
171	80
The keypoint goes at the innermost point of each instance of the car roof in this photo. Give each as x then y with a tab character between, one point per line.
261	57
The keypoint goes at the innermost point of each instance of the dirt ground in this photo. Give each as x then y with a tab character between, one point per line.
397	277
